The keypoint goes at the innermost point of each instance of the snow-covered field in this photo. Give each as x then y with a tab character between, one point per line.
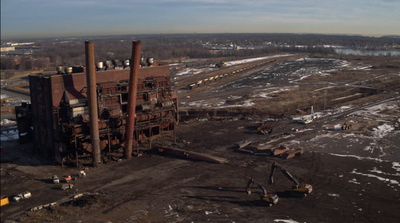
372	144
237	62
209	68
193	71
13	100
261	85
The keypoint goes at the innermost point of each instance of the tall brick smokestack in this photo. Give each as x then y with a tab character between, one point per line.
133	82
92	101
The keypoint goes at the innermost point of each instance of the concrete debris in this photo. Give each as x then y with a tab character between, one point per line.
243	144
282	151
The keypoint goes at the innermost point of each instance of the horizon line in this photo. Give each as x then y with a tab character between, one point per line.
195	33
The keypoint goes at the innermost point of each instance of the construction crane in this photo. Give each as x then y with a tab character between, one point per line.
298	189
270	198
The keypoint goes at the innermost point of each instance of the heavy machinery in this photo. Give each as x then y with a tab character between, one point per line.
67	178
4	201
265	128
307	119
22	196
298	189
82	173
346	126
56	180
270	198
66	186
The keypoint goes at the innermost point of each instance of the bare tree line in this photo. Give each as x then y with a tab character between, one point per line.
70	51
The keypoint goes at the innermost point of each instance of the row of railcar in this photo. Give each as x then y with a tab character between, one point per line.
220	76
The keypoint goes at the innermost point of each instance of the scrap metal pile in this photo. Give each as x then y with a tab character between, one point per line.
61	115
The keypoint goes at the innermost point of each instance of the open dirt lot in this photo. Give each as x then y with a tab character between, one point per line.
355	173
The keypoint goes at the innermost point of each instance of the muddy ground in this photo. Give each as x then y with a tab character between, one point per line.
355	173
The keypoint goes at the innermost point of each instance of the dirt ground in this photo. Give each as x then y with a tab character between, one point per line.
355	173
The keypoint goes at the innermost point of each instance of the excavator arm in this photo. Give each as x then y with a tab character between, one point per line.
270	198
285	172
252	181
297	188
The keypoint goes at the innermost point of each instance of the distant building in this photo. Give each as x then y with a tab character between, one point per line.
22	44
7	49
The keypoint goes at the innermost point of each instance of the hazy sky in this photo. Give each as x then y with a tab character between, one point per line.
42	18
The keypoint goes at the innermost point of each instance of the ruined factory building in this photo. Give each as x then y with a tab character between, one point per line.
58	118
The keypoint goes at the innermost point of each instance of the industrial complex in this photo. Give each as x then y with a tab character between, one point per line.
60	117
276	137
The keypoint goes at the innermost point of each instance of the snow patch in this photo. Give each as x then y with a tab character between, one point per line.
216	103
343	108
375	170
234	97
294	142
359	157
386	180
396	166
285	220
7	121
236	62
374	145
192	71
374	111
382	130
354	181
3	96
262	95
304	130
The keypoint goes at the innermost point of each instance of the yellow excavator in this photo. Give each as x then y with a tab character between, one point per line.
298	189
4	200
346	126
270	198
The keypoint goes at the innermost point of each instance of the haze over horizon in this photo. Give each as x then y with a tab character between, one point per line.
56	18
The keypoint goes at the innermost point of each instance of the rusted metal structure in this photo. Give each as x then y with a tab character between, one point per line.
61	118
